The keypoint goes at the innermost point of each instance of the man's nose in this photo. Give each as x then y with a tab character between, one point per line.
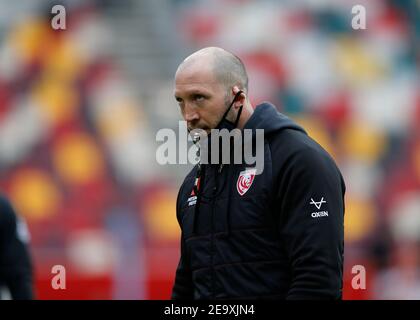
191	115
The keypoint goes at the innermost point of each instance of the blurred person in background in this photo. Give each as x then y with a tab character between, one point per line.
15	261
276	235
401	280
400	277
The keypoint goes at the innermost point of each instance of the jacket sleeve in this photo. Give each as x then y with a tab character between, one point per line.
15	261
312	224
183	286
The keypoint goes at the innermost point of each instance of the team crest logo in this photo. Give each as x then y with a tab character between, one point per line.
245	180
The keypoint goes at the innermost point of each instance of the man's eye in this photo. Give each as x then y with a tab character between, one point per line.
198	97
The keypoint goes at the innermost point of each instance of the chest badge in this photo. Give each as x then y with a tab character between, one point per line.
245	180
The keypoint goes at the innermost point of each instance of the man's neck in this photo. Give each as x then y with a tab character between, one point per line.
247	112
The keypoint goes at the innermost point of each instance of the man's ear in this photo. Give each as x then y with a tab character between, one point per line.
240	101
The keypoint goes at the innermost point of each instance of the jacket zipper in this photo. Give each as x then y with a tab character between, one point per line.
212	235
216	180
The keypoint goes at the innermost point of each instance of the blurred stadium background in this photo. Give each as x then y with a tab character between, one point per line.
80	108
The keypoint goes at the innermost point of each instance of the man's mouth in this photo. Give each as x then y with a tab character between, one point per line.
190	128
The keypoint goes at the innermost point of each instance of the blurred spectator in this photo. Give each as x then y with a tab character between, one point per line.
15	261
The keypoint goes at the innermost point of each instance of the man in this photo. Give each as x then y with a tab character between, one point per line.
15	263
275	235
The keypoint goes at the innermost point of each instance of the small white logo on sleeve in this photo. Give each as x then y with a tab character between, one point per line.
318	205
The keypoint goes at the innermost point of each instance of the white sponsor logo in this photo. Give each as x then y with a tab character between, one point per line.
319	203
192	200
319	214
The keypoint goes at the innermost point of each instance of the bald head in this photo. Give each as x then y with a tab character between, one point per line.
227	69
207	84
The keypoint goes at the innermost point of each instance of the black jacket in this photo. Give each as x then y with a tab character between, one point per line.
15	262
282	239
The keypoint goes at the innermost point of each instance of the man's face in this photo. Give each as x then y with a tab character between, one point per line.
201	98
